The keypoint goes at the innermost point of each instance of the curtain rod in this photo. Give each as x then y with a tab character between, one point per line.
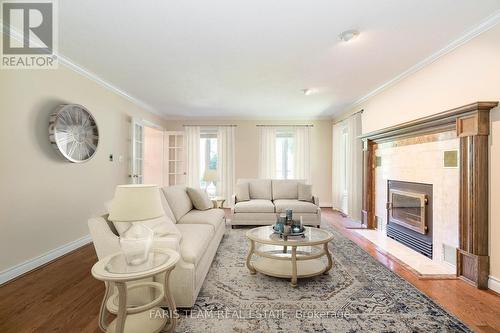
348	116
285	125
215	125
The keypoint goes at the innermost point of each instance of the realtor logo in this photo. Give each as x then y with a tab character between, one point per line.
29	35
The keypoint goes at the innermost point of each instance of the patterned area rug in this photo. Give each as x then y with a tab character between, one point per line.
358	295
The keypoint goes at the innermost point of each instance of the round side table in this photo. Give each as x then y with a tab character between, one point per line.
114	271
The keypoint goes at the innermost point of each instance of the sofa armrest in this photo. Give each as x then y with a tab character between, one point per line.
316	200
105	241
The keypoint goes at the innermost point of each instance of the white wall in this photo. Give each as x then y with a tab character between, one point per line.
468	74
45	201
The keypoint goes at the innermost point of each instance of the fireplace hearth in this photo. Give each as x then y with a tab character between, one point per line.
409	215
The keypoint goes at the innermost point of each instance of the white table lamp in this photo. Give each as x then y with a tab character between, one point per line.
135	203
210	176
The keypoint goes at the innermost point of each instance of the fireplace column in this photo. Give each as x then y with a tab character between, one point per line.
368	203
472	254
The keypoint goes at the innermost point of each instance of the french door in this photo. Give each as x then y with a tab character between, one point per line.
147	162
137	154
175	158
157	157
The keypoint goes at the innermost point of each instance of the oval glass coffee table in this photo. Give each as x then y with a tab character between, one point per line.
297	257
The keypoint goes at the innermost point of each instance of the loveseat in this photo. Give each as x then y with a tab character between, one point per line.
197	236
268	197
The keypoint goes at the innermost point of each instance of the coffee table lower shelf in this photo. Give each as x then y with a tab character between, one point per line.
283	268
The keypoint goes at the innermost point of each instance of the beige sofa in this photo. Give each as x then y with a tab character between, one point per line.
200	235
268	197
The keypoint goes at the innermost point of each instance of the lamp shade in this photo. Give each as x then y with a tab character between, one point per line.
136	203
210	175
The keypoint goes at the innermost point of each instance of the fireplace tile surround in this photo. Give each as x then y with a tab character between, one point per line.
423	163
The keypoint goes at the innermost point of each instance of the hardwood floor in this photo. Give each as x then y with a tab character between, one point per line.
63	297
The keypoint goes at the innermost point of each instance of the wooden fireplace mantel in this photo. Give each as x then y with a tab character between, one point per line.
471	124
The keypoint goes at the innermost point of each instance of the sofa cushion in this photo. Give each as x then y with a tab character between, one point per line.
285	189
305	192
195	241
295	205
258	188
178	200
213	217
199	198
254	206
242	192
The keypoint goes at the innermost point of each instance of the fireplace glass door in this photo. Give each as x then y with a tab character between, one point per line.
408	210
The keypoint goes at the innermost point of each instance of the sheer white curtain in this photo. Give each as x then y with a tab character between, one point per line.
192	135
267	152
354	154
338	167
225	162
347	157
302	153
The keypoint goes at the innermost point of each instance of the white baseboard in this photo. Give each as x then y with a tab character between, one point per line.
24	267
325	204
494	284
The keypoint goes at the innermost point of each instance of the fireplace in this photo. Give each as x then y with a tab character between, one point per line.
409	215
470	125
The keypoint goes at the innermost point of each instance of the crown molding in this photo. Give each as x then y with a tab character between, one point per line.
65	61
482	27
246	118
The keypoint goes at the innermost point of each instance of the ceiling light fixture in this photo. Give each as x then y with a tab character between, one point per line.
348	35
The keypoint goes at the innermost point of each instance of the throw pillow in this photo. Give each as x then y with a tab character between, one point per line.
242	192
199	198
161	226
305	192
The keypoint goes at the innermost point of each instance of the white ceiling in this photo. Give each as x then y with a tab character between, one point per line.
230	58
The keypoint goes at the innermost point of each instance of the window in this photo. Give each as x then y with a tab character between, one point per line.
284	154
208	161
